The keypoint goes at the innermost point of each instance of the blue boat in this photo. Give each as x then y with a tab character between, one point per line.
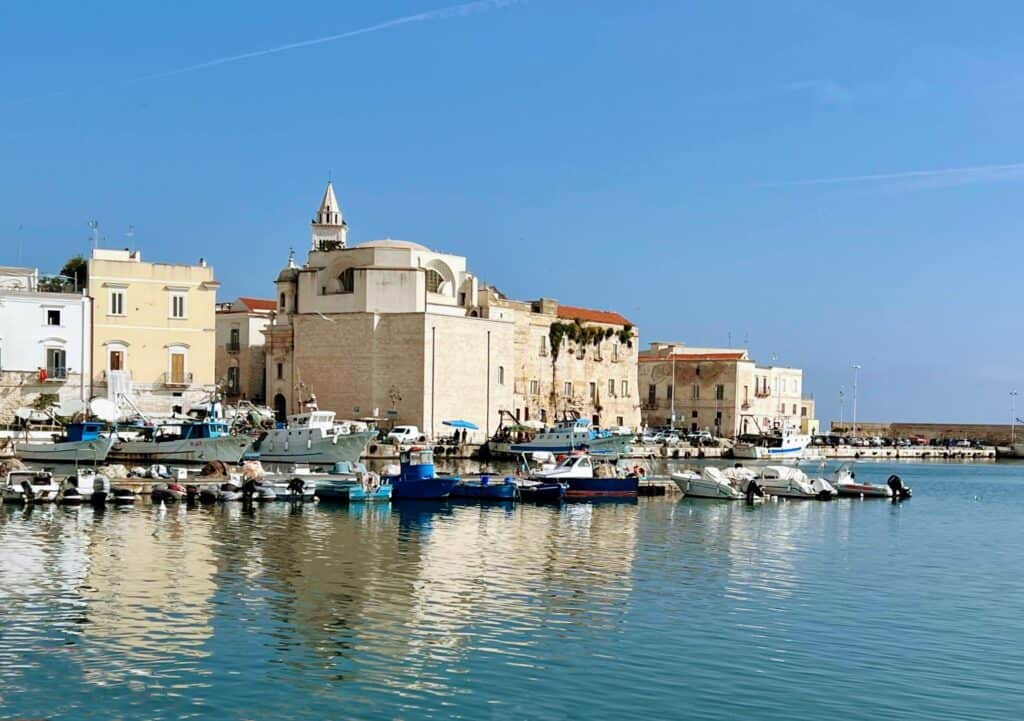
417	480
578	473
484	488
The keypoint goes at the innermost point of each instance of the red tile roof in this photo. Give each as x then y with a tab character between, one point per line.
254	304
737	355
571	312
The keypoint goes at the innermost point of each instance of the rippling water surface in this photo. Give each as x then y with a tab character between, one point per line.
655	609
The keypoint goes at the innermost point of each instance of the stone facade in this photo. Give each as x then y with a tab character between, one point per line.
392	330
720	390
241	359
153	331
993	433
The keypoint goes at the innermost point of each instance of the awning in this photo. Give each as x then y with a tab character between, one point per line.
462	424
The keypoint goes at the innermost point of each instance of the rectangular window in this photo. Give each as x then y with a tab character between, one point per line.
593	392
235	342
116	360
116	306
501	375
543	415
543	345
56	363
177	305
695	393
611	389
746	394
534	388
694	414
668	391
618	420
720	392
794	409
233	380
177	368
652	394
615	353
597	352
625	389
803	411
280	371
53	316
567	390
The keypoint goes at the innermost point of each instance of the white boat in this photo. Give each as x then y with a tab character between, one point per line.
86	486
572	433
186	441
80	441
24	487
790	482
709	483
846	484
786	443
312	437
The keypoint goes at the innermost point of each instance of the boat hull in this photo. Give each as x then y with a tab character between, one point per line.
422	488
345	448
865	490
542	492
499	491
227	449
92	451
761	453
611	444
602	487
358	494
698	487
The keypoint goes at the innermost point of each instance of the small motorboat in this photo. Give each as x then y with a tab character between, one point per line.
169	493
229	492
417	480
296	490
591	477
259	491
790	482
847	486
86	486
484	488
709	483
121	496
541	491
25	487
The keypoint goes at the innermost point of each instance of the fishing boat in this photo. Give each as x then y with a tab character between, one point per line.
25	487
186	441
780	444
587	477
486	488
571	433
846	484
416	479
80	441
312	437
790	482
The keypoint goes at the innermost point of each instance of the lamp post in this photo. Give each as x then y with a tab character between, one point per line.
856	367
842	396
1013	414
672	423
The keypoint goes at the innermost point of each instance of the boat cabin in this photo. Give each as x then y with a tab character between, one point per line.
417	464
82	431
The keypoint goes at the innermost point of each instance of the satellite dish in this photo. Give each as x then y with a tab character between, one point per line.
103	409
70	407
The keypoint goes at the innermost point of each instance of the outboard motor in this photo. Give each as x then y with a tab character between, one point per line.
26	488
900	492
753	490
248	490
191	494
296	486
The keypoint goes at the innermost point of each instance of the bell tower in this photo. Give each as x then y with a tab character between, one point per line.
330	230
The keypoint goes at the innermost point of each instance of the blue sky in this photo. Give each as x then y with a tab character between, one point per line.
710	169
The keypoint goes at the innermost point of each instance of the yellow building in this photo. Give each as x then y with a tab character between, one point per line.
153	331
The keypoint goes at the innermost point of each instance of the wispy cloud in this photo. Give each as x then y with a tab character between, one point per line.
914	179
444	13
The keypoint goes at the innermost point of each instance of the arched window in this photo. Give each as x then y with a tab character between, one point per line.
282	301
434	280
346	281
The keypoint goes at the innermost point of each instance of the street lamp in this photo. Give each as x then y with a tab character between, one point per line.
842	395
1013	414
856	367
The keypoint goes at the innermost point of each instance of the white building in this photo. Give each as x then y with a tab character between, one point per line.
241	359
45	341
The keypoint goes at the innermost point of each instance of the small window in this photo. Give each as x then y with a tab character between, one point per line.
235	341
233	380
53	316
501	375
534	388
56	363
611	389
346	281
615	352
543	415
177	305
695	393
668	392
593	392
794	409
434	281
280	371
116	303
618	421
720	392
694	414
567	389
625	389
543	345
282	303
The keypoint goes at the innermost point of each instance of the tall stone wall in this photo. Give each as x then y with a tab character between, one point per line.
992	433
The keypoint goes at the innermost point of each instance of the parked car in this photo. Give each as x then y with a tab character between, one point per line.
405	434
700	437
620	431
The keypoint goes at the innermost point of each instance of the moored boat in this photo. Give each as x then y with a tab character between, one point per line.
311	437
81	441
569	434
184	442
484	488
780	444
86	486
791	482
417	480
25	487
587	477
709	483
847	486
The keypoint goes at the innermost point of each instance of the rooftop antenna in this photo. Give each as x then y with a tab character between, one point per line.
130	235
729	344
94	226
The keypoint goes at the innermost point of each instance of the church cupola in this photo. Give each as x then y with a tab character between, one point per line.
329	227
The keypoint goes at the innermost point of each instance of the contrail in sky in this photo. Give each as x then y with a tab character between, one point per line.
955	176
451	11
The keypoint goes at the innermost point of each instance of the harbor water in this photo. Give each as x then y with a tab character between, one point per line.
659	608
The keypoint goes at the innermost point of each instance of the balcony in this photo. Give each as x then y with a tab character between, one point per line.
233	347
56	374
762	393
177	380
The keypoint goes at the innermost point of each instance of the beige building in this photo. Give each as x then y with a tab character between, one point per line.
720	390
153	331
391	329
241	359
